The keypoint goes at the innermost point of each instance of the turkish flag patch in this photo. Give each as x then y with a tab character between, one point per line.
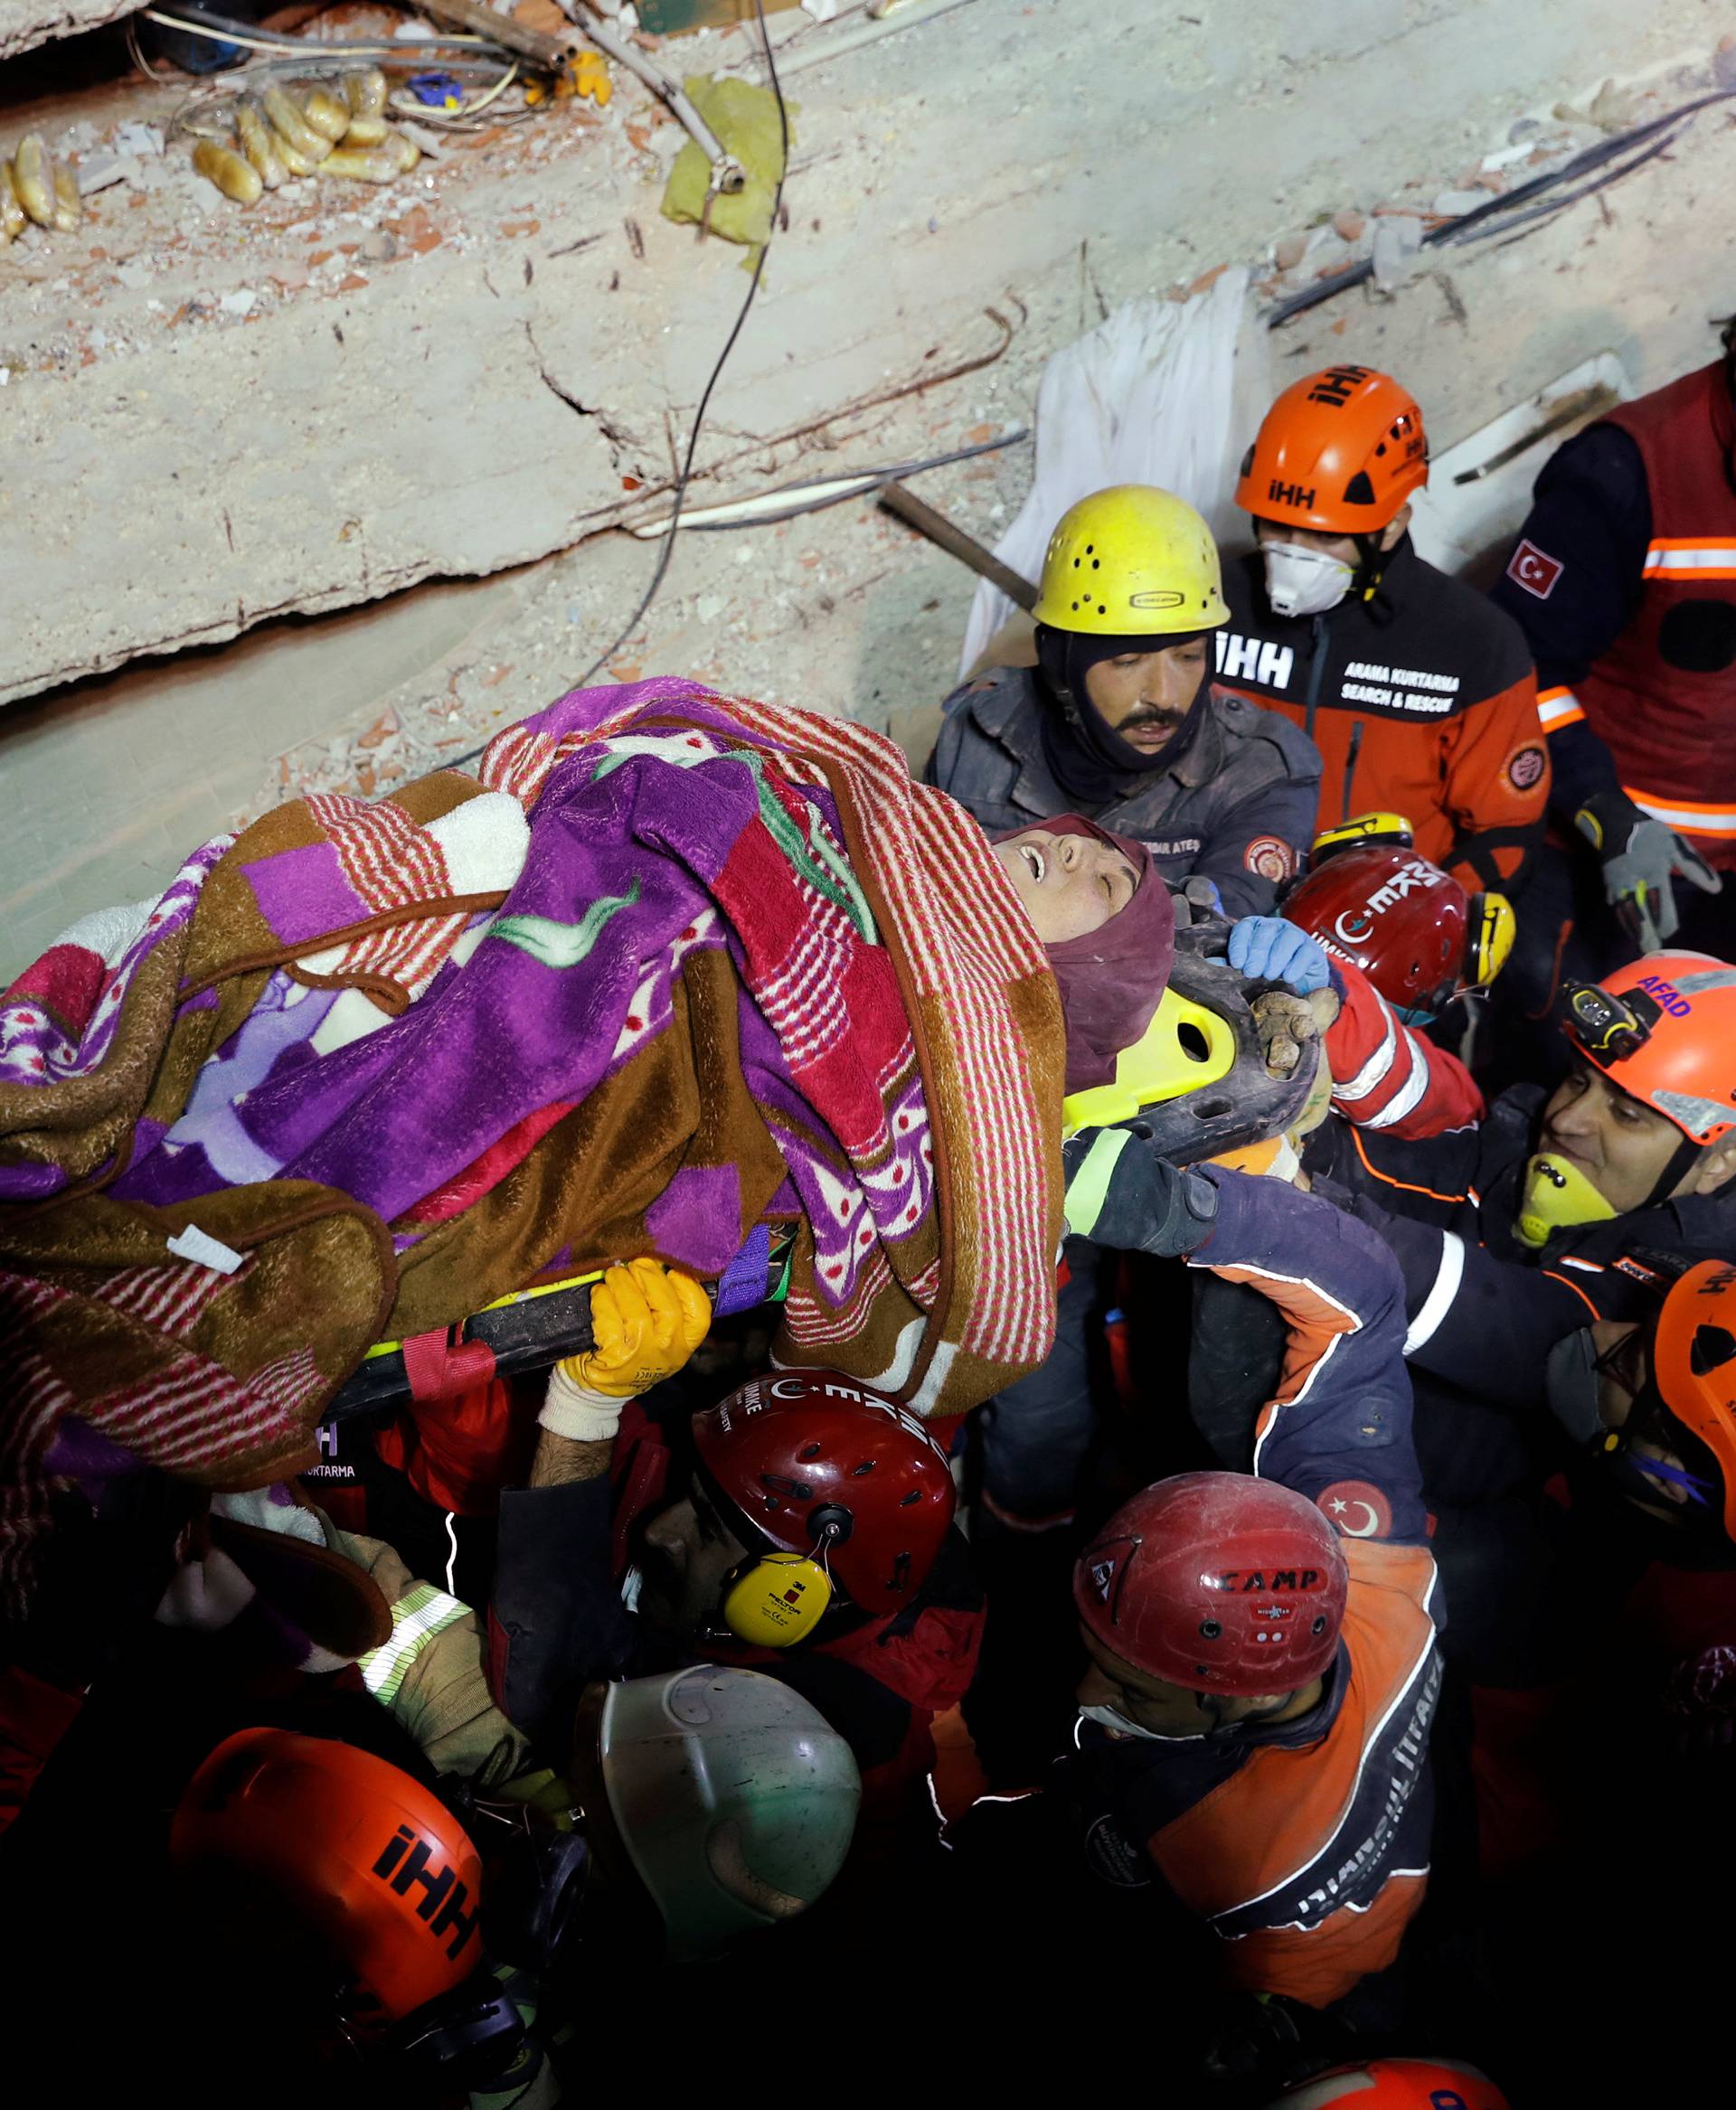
1535	571
1358	1508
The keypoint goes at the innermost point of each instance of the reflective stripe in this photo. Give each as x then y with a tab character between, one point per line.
416	1618
1088	1188
1695	556
1440	1300
1375	1067
1409	1095
1701	820
1557	708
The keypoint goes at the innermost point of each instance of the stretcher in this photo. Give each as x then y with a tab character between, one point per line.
528	1330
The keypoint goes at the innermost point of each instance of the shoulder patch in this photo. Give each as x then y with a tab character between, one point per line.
1358	1508
1525	767
1534	569
1112	1856
1271	857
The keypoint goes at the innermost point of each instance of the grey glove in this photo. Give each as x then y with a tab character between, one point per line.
1571	1385
1640	856
1121	1194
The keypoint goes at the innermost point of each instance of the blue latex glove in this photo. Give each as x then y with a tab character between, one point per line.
1266	948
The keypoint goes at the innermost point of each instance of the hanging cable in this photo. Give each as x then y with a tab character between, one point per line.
667	547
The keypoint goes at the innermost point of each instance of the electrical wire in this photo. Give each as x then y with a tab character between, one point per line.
666	550
216	29
814	495
1498	218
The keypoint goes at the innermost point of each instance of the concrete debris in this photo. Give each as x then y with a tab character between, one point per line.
1611	109
1398	243
26	24
1348	224
1451	204
1723	62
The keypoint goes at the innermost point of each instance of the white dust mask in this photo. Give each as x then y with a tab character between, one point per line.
1110	1718
1304	582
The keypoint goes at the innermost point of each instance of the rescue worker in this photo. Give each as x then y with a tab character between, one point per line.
1119	719
1637	1535
1560	1207
1420	942
1261	1669
803	1526
1264	1662
1419	696
1623	579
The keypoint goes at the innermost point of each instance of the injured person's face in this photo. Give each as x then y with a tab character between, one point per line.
685	1559
1070	885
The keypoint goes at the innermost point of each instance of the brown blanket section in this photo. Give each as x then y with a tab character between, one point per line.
128	1328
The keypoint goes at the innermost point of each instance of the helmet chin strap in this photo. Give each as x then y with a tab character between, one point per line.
1371	568
1686	1155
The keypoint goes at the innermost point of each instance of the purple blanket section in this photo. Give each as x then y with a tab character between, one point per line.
623	854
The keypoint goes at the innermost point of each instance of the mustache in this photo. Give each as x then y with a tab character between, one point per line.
1149	714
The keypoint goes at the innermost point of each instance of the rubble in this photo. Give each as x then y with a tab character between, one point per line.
433	416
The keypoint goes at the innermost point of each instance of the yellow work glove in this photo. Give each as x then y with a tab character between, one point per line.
646	1320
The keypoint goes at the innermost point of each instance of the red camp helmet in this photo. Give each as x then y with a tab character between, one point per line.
1410	928
1664	1029
1217	1582
367	1859
806	1453
1396	2084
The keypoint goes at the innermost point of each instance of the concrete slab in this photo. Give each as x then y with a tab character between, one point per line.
26	24
443	379
106	783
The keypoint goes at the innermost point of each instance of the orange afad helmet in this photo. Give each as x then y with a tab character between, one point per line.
1664	1029
1339	452
1694	1366
368	1860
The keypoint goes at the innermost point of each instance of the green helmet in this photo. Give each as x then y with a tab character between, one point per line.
724	1792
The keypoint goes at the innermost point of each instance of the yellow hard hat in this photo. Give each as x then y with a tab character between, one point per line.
1131	562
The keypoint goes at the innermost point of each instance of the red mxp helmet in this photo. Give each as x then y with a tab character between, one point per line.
1664	1029
807	1457
1410	928
1217	1582
371	1862
1396	2084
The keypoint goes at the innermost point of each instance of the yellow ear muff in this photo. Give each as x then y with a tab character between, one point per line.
1492	930
1385	830
777	1601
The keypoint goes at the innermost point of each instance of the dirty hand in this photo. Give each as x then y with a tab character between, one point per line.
1286	1025
1640	857
1266	948
646	1320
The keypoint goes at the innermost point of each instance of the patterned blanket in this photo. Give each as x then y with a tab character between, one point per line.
677	969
